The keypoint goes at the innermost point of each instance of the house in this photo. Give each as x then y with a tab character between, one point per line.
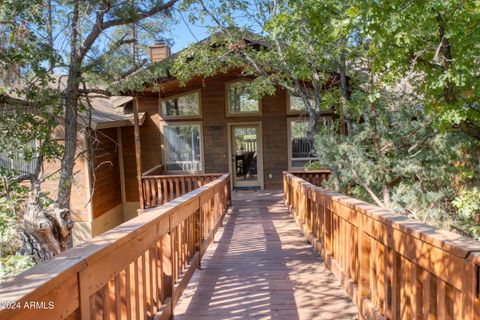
212	125
208	126
98	199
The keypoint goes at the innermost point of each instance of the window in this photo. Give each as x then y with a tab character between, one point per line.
239	99
301	150
295	104
183	147
187	105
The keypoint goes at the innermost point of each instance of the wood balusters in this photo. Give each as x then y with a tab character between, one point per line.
392	267
160	189
136	270
315	177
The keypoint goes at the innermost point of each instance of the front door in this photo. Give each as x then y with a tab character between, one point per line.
246	155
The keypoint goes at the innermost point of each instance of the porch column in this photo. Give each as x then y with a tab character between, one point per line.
138	152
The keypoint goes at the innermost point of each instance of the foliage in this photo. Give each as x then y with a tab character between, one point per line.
419	170
412	68
49	50
436	39
468	210
294	45
147	76
11	263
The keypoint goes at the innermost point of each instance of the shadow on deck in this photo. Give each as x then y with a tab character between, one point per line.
262	268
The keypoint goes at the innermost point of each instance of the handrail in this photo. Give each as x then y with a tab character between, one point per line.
158	169
391	266
136	270
315	177
159	189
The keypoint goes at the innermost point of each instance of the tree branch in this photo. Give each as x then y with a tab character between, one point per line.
101	25
94	90
367	188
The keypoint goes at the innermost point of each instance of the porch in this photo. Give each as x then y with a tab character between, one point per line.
165	262
261	267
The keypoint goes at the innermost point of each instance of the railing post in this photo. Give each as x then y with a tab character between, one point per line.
199	235
471	291
83	296
138	156
167	269
364	268
229	193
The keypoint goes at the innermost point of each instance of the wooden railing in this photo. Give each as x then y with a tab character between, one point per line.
392	267
137	270
158	169
160	189
315	177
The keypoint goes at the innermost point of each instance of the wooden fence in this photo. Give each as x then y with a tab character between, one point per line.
315	177
160	189
392	267
137	270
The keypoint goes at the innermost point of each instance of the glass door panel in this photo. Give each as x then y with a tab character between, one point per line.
245	157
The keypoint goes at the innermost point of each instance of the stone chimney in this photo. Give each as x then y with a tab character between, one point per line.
159	51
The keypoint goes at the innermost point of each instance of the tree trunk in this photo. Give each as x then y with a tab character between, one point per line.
45	231
71	110
68	159
345	115
312	128
386	196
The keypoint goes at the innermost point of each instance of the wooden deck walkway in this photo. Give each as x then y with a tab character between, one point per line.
262	268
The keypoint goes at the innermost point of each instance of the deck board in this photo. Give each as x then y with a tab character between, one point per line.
262	268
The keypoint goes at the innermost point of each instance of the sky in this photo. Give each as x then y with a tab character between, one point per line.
184	33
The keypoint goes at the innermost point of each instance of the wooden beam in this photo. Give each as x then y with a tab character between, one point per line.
138	151
121	165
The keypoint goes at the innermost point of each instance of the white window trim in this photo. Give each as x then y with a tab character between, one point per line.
289	144
293	112
167	117
227	101
164	151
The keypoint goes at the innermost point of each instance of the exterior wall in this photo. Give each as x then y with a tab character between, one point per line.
130	210
275	153
107	220
107	205
131	204
80	209
105	180
129	164
214	123
150	136
106	208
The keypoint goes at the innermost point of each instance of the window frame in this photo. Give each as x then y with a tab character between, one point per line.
176	96
228	84
164	149
260	149
289	144
289	110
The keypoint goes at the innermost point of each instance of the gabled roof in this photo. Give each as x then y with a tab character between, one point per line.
247	36
250	37
109	113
